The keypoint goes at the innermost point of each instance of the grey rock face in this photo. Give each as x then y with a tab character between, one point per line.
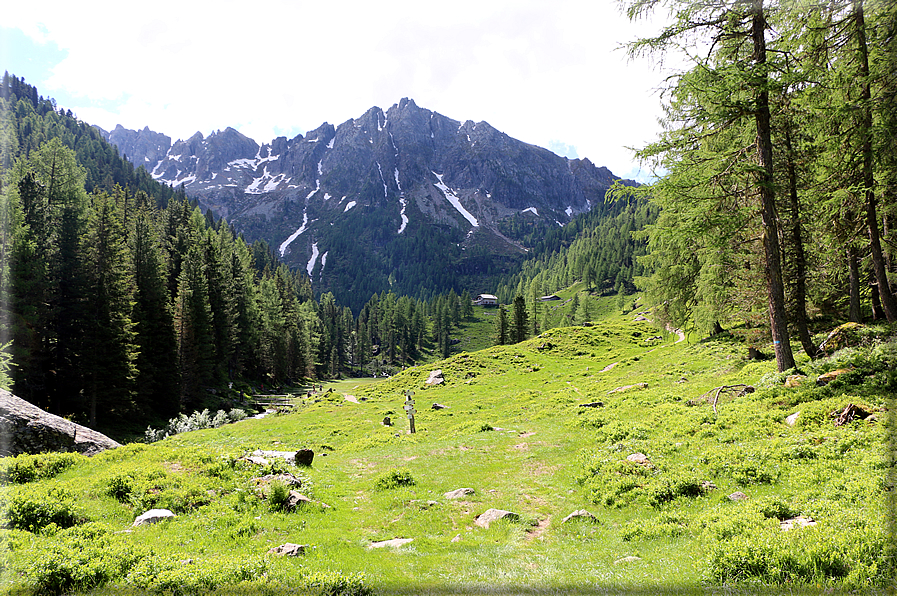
25	428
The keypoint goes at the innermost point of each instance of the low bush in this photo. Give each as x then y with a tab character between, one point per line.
168	576
34	508
848	560
772	508
393	479
28	468
665	525
665	490
331	583
744	467
195	421
278	496
120	487
81	558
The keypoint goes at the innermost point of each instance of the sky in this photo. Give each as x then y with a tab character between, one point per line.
548	73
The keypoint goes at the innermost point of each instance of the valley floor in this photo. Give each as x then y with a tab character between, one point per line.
682	494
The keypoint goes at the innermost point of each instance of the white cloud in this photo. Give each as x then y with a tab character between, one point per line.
537	71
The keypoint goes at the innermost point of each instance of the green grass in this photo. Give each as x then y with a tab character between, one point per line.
544	457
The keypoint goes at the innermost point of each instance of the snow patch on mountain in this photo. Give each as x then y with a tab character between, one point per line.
532	209
286	243
383	180
455	201
314	257
569	211
349	205
402	215
270	182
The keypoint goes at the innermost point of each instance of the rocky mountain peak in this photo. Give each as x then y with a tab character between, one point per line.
382	180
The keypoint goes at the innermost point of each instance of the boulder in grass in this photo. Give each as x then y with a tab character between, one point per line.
459	493
580	514
843	336
394	543
492	515
304	457
288	550
435	378
26	428
153	516
801	521
640	459
825	379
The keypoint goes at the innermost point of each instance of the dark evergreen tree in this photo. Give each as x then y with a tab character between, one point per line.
109	342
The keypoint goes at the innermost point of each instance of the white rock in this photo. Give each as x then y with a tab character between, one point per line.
580	514
153	516
459	493
394	543
800	521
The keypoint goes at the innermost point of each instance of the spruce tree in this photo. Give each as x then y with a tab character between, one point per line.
519	320
109	343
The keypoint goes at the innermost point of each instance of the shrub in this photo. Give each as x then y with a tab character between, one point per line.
393	479
33	509
771	508
27	468
80	558
332	583
618	492
666	490
195	421
617	431
665	525
848	559
120	487
745	468
278	496
175	578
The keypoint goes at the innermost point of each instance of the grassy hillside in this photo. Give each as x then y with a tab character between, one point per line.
515	430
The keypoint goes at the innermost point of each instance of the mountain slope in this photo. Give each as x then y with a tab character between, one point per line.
403	199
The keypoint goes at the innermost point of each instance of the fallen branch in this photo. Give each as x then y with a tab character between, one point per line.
714	394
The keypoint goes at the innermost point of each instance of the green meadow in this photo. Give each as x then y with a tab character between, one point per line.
618	419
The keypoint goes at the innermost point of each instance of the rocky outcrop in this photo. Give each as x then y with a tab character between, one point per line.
25	428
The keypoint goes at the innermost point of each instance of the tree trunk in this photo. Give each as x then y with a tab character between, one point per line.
878	314
853	267
878	262
772	261
799	282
